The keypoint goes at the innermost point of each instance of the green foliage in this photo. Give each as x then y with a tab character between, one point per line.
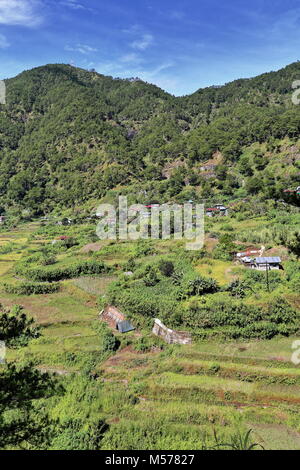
31	288
148	343
238	441
151	277
16	328
229	319
200	286
225	248
139	130
166	268
143	248
19	424
108	341
239	288
74	434
56	274
293	244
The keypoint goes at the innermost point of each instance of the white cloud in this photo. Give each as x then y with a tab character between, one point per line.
82	48
3	42
132	57
143	43
177	15
121	68
74	4
19	12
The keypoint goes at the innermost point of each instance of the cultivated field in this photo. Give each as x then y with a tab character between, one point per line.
151	395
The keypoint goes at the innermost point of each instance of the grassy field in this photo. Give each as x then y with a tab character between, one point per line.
171	398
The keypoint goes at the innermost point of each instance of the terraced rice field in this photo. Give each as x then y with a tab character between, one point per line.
194	394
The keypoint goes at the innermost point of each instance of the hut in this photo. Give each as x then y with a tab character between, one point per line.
171	336
217	210
116	319
267	263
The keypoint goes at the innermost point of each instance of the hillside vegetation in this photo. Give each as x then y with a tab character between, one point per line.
69	136
70	139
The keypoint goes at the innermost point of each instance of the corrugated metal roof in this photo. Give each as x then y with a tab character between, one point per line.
268	260
125	326
246	259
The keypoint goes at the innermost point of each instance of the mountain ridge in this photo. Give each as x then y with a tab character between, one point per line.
68	135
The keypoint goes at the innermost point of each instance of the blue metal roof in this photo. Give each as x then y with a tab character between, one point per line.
125	326
268	260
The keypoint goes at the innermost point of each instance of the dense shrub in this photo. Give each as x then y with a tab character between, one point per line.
238	288
235	320
16	329
8	248
48	260
158	301
66	272
151	277
200	286
74	434
166	268
31	288
258	280
109	342
148	343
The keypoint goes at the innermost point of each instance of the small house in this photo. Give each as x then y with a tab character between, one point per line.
247	261
171	336
210	212
249	252
217	210
116	319
266	263
222	209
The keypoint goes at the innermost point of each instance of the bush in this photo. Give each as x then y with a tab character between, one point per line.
8	248
143	248
31	288
238	288
109	342
200	286
75	434
147	343
56	274
48	260
166	268
16	329
151	278
295	283
233	320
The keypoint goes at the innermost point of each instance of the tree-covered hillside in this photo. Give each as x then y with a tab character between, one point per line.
68	136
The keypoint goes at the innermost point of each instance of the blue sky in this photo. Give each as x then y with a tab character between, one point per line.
179	45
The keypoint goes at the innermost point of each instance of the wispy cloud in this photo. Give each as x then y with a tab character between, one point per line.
73	4
82	48
128	68
20	12
132	58
143	42
177	15
3	42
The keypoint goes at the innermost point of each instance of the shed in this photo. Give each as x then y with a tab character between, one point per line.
266	262
116	319
125	326
171	336
217	209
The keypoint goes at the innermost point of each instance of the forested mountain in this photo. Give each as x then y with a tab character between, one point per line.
68	136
